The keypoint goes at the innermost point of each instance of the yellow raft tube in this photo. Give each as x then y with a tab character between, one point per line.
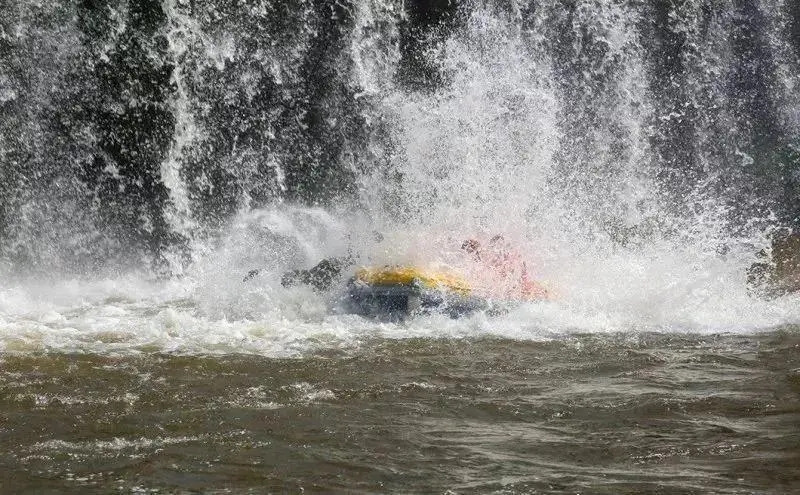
398	291
409	276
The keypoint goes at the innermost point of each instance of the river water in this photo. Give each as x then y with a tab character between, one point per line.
130	386
619	413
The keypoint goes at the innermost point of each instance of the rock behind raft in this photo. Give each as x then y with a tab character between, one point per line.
778	271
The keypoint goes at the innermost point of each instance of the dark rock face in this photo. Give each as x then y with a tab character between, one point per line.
778	271
247	107
281	102
128	111
793	10
669	59
428	23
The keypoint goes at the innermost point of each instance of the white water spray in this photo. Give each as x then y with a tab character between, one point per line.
181	33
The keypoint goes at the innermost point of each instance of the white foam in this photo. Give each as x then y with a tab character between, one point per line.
180	325
112	446
660	287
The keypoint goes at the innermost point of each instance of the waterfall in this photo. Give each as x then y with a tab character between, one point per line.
132	133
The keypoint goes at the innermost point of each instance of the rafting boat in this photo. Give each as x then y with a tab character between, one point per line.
396	291
399	291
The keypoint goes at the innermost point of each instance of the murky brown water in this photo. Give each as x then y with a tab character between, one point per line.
625	413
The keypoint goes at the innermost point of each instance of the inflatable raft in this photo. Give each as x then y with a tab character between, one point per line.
395	292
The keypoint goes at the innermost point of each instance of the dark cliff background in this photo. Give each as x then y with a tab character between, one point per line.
118	117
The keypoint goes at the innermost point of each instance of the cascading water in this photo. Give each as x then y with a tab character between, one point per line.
638	153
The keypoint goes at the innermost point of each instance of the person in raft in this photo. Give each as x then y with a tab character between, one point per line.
500	271
325	274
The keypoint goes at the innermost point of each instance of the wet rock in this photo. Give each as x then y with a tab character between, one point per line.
778	271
